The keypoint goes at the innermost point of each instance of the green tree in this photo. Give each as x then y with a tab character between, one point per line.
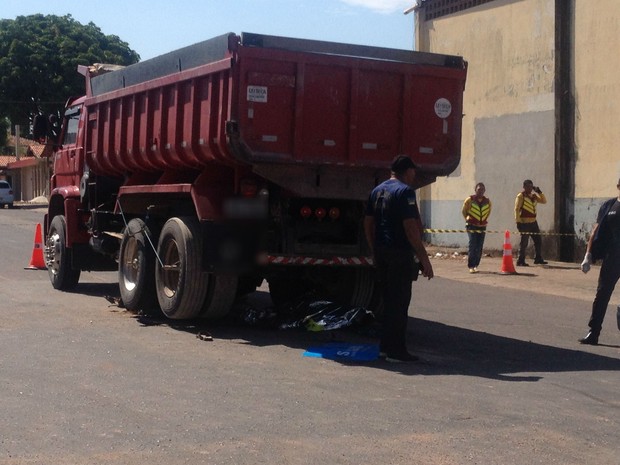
4	129
39	56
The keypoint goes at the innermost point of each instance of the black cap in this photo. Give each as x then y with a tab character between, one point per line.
402	163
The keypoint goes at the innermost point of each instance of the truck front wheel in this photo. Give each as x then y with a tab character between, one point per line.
58	257
180	283
136	267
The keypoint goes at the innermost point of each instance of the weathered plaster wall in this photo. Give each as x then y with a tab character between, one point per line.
597	114
508	122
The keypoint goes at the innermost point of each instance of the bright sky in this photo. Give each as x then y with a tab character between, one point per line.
153	27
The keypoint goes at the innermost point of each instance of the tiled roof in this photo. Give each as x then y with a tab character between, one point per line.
6	159
28	148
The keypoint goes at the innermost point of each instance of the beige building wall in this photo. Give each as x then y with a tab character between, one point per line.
30	182
597	101
509	111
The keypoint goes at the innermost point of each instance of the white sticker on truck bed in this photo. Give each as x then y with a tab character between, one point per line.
257	94
443	108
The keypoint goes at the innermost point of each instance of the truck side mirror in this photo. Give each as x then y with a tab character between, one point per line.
39	128
53	130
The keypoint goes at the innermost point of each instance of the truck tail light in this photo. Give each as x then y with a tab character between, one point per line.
248	188
320	213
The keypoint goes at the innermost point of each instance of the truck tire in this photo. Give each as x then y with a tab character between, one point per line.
220	296
364	291
136	267
358	287
59	258
181	285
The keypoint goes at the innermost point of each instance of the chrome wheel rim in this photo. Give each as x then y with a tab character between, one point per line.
53	253
171	269
130	266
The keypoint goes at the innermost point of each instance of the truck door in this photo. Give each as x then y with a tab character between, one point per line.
68	164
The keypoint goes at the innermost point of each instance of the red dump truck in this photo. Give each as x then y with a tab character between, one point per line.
200	173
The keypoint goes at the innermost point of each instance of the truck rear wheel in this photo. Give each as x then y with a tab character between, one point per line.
220	296
58	257
136	267
357	287
180	283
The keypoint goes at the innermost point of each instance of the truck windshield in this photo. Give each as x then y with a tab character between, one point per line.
72	118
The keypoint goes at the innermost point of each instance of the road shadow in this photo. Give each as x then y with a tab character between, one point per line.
567	267
443	349
97	290
499	273
453	350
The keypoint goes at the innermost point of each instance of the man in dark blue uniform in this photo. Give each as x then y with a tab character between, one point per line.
394	232
604	243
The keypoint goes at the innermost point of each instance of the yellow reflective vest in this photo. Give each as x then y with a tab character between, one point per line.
476	212
525	206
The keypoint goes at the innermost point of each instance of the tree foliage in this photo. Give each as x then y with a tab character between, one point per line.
4	129
39	56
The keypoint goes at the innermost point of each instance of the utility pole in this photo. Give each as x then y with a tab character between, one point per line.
565	128
17	128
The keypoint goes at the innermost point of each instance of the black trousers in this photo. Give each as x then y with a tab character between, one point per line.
395	268
607	280
524	229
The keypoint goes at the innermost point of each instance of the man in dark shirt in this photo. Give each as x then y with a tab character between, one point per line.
604	243
394	233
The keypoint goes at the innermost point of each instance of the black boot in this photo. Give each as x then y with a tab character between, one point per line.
591	338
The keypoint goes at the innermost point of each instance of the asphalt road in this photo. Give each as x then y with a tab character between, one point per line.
502	380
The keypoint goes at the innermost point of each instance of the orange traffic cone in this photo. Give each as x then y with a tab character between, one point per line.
37	262
508	266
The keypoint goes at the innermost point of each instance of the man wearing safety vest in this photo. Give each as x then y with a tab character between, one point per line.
476	211
525	215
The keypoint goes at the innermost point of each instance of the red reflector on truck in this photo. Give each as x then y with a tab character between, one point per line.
320	213
248	188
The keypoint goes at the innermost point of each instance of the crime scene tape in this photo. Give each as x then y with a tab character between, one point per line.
439	231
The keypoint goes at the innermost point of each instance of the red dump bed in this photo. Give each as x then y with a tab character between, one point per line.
277	104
